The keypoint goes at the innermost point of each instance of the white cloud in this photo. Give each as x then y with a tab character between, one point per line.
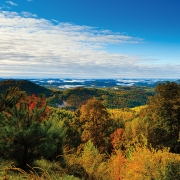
11	3
27	14
32	46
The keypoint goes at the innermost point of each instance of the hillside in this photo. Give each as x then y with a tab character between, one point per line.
112	97
119	97
24	85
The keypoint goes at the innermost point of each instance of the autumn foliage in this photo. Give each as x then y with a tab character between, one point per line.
26	130
93	142
35	104
117	138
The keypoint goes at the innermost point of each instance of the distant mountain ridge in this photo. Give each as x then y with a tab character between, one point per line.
67	83
73	93
25	85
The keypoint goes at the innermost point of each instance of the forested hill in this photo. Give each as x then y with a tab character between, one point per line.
117	97
113	97
24	85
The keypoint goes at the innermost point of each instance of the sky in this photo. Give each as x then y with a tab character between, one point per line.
90	39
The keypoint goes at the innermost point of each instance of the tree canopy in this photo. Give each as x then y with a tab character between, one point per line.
164	108
95	121
25	130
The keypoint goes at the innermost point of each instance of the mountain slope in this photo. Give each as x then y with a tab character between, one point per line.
116	97
24	85
121	97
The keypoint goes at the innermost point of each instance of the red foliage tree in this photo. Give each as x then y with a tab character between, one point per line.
117	138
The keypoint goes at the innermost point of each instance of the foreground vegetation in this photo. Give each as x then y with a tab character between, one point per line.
38	141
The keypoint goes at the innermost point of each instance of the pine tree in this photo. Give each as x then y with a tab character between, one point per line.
9	98
25	131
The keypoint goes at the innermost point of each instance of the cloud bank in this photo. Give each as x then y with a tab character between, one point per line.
36	47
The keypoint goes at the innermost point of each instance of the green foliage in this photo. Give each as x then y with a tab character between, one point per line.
64	120
172	169
25	132
127	97
51	167
60	144
9	98
24	85
164	113
77	97
122	97
61	114
90	164
71	126
93	161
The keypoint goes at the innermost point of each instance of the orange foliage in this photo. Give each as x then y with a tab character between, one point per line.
117	137
117	165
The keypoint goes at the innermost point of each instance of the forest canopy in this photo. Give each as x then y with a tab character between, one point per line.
92	141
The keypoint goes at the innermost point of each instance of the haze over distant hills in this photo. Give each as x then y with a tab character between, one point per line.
70	83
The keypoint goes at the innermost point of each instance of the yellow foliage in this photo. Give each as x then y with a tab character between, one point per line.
124	114
145	164
116	165
138	108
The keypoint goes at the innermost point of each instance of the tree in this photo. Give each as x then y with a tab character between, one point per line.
164	111
66	120
25	131
95	122
117	138
9	98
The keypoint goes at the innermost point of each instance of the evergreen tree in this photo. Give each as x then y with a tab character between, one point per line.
9	98
26	133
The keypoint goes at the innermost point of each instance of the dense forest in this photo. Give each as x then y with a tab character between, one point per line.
72	99
88	133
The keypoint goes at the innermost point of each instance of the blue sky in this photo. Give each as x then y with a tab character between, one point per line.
90	38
